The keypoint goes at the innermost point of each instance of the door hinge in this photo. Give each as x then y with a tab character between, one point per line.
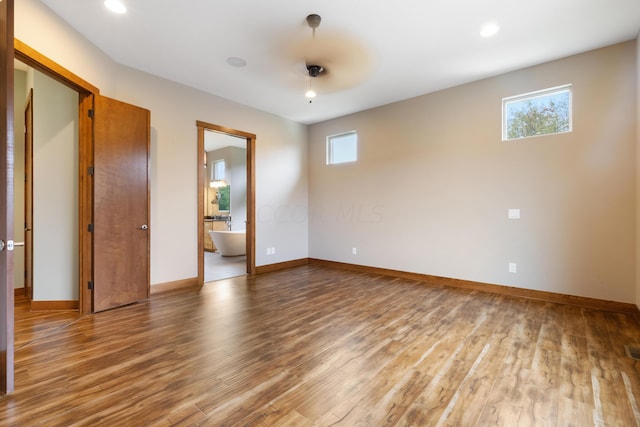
90	285
91	113
90	228
90	170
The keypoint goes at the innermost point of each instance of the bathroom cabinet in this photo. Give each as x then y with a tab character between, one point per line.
210	224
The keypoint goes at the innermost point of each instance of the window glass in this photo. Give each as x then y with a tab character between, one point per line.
538	113
342	148
224	199
218	170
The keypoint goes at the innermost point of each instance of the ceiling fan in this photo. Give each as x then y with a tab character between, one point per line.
333	61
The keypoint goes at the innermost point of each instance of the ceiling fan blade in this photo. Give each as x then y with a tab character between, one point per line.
346	62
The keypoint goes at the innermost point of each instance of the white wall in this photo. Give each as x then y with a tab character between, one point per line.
429	194
238	182
55	190
433	183
40	28
281	172
20	96
281	149
55	186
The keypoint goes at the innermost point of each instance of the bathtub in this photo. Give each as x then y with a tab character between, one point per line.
229	243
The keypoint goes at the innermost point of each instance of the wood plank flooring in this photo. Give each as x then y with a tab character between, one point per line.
316	346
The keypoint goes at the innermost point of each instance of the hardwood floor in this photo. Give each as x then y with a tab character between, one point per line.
316	346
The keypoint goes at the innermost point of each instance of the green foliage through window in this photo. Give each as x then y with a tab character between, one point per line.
540	113
224	200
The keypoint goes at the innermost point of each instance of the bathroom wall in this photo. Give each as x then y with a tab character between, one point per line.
236	176
212	157
433	183
238	181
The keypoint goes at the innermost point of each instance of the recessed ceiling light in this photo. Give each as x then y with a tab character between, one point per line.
490	29
115	6
236	62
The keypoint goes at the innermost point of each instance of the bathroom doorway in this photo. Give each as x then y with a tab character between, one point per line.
226	205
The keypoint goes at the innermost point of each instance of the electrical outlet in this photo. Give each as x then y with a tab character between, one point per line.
354	251
513	267
273	250
268	251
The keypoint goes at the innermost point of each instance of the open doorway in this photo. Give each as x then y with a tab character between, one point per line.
46	190
225	206
226	210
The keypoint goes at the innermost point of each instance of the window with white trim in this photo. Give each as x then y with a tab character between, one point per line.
537	113
342	148
219	167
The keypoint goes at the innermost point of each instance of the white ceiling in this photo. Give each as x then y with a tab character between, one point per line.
217	140
391	50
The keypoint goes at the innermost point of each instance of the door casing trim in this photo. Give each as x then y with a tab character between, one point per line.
251	199
86	92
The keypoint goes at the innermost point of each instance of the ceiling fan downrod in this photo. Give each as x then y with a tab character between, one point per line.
313	21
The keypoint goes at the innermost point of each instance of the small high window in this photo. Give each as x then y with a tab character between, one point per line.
342	148
537	113
218	170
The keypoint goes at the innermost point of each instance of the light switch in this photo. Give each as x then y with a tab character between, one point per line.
514	214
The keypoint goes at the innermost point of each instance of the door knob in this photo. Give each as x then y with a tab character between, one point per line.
144	227
9	245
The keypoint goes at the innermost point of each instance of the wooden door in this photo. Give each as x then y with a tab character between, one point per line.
121	204
28	197
6	195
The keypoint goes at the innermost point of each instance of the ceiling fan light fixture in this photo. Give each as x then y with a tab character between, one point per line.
314	71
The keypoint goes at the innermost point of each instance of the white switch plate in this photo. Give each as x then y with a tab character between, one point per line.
513	267
514	214
354	251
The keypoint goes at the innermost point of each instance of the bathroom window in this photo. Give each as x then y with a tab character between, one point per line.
218	170
342	148
224	199
537	113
